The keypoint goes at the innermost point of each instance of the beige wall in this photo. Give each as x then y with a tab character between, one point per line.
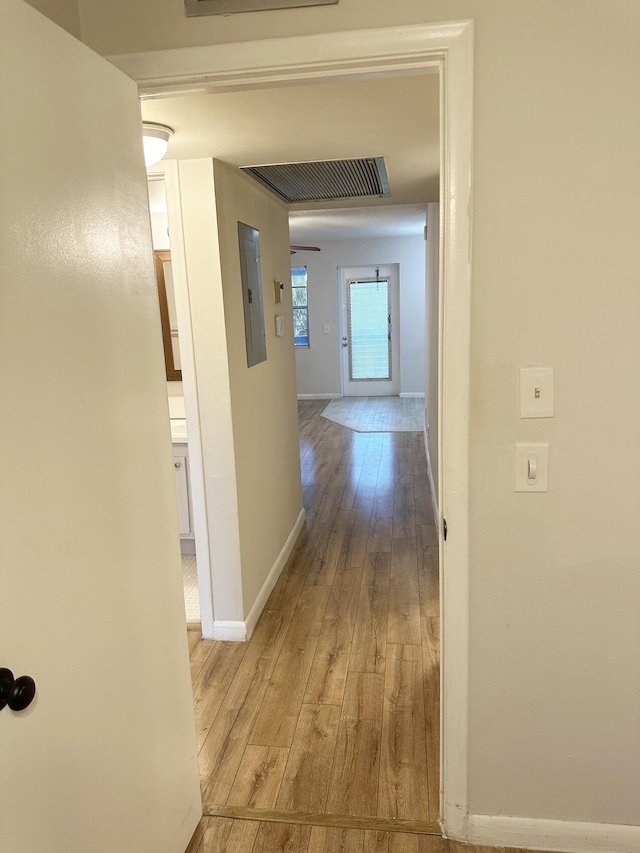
555	578
62	12
263	397
319	368
212	384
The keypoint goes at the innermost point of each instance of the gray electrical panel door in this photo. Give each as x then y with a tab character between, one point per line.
249	239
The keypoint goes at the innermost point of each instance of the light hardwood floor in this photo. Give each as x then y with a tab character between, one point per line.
223	835
377	414
321	733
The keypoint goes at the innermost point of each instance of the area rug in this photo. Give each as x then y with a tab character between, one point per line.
377	414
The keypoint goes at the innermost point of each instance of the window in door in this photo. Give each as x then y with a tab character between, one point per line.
299	297
369	330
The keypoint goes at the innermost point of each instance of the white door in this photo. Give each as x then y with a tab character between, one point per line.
104	759
370	331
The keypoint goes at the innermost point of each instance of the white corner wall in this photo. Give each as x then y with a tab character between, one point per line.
263	397
212	388
248	416
318	369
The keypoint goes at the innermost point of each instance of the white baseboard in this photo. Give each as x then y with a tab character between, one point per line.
412	394
558	835
319	396
242	631
261	599
228	630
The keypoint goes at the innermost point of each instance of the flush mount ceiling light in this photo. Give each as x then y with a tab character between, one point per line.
155	139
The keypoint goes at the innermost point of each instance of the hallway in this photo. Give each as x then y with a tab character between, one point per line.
327	720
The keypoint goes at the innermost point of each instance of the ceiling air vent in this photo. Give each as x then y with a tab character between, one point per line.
324	180
193	8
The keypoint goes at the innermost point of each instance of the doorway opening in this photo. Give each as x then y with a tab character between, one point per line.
448	48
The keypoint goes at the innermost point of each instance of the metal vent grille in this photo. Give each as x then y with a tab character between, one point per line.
324	180
194	8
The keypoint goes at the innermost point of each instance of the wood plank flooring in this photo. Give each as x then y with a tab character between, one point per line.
232	835
331	709
321	734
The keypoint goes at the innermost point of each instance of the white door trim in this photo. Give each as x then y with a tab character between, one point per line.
347	55
168	169
447	47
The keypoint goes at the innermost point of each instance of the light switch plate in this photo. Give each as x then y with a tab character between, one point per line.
536	392
532	459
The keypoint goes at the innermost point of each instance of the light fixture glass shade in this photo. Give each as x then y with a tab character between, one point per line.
155	139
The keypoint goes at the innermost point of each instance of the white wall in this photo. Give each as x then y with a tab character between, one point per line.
318	369
247	416
213	387
555	578
263	397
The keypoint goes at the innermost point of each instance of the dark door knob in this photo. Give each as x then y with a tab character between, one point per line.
17	693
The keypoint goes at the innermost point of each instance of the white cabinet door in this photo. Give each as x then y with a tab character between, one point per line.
105	758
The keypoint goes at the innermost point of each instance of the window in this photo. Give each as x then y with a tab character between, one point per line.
300	306
369	330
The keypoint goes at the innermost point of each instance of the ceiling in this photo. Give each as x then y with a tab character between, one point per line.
396	117
357	223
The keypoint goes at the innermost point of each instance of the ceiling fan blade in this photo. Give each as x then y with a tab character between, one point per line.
305	248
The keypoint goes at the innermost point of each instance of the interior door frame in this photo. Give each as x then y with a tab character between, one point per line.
446	49
387	272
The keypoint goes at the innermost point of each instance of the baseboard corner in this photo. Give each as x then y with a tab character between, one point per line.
276	570
230	630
